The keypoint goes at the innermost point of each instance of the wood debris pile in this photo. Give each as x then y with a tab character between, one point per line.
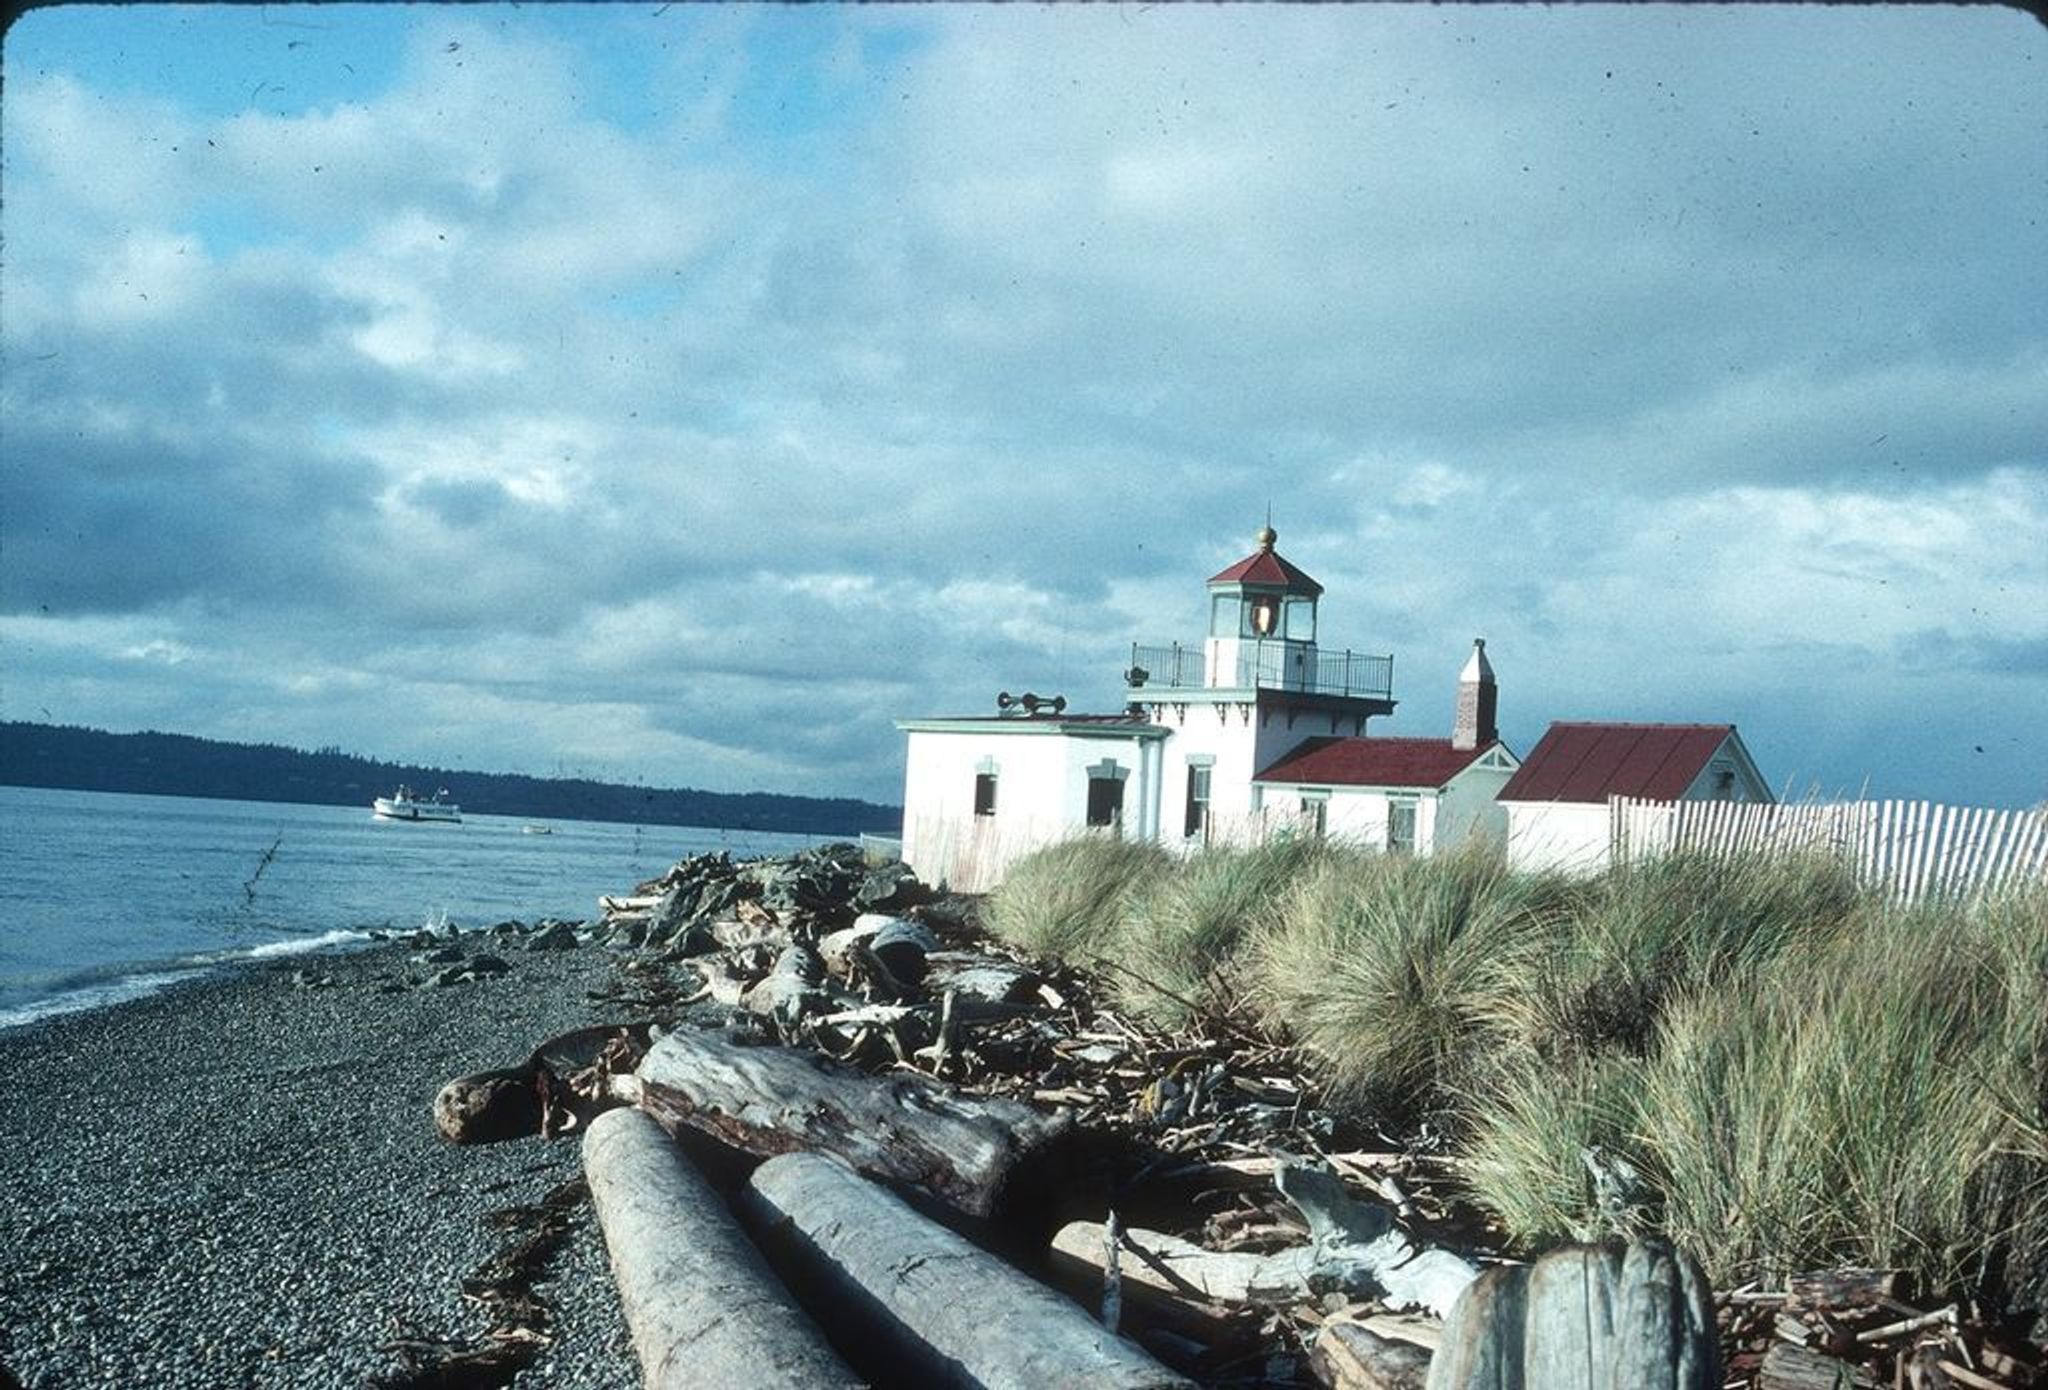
1186	1188
1855	1329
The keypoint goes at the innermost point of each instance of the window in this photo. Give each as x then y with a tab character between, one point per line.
1264	616
1724	781
984	793
1315	815
1301	619
1198	803
1223	615
1401	827
1105	801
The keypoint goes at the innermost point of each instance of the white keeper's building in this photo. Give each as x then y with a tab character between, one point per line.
1257	729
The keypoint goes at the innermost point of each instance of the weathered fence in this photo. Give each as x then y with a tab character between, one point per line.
1918	850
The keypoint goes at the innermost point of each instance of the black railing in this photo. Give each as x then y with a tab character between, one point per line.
1263	666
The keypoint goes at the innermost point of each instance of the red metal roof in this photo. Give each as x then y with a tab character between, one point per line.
1372	762
1265	566
1591	762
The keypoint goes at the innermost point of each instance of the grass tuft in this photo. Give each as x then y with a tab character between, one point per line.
1387	967
1178	959
1068	900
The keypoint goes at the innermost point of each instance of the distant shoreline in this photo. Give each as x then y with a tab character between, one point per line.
65	758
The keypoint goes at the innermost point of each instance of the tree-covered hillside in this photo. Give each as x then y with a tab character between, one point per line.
45	755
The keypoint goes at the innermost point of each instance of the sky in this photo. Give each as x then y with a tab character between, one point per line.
682	394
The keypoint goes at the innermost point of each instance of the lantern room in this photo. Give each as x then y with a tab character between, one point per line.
1262	619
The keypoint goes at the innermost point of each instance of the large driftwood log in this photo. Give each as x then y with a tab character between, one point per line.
962	1316
903	1127
1599	1317
703	1307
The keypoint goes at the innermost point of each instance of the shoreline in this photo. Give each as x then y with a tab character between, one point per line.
236	1179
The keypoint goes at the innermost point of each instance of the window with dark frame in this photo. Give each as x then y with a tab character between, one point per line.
1198	803
1105	801
984	793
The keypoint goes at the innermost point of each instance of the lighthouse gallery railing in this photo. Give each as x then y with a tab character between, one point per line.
1264	667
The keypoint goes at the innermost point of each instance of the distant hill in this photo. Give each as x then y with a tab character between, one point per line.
50	755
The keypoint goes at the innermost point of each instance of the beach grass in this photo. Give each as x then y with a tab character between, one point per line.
1178	955
1771	1064
1068	899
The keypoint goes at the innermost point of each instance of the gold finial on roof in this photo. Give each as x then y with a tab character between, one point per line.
1267	535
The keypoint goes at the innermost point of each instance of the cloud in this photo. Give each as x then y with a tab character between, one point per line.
696	395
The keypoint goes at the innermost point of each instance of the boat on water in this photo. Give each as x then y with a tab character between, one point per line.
407	804
536	830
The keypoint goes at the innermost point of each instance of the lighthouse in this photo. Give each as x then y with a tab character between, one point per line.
1256	729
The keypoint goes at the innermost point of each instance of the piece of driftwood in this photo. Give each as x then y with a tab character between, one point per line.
1483	1336
1350	1356
1357	1246
1195	1292
1353	1246
563	1083
959	1315
1638	1317
486	1107
1156	1262
1844	1288
986	979
1795	1368
902	1127
701	1303
791	989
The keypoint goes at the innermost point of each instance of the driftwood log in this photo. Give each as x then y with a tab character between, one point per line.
563	1083
1598	1317
1347	1356
702	1305
1163	1281
961	1316
903	1127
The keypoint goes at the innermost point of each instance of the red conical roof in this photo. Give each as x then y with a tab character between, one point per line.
1264	566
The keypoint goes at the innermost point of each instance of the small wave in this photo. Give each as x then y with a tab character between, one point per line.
94	996
91	990
299	945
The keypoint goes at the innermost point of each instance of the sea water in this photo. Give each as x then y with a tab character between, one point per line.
105	896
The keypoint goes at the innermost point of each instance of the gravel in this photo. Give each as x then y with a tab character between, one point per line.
237	1182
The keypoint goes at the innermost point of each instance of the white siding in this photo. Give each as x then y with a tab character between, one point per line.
1569	835
1469	807
1041	793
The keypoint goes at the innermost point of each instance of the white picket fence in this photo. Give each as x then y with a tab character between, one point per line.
1919	850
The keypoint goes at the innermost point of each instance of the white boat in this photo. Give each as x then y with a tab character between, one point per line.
409	805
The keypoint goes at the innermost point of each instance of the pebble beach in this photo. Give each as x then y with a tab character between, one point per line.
238	1182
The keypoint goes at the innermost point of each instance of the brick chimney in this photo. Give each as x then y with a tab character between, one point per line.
1474	725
